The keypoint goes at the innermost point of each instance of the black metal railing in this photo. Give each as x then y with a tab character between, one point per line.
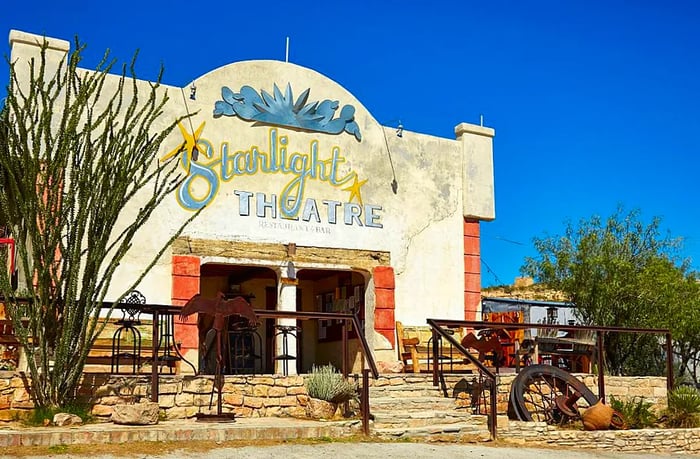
444	330
448	335
168	312
367	357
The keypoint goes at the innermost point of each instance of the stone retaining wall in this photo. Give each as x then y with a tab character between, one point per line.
651	388
625	388
269	395
14	397
642	440
185	396
179	397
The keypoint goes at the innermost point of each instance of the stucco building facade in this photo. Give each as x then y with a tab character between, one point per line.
309	204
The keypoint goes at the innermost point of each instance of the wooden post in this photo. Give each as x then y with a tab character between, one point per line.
601	357
365	401
435	357
154	358
669	363
345	348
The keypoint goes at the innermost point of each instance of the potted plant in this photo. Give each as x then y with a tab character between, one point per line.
327	388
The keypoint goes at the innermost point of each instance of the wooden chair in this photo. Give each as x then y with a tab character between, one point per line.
407	349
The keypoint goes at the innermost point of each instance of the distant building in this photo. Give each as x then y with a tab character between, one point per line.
537	302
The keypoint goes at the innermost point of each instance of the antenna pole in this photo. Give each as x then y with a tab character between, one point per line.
286	54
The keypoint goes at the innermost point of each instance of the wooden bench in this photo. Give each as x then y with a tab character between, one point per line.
99	359
414	347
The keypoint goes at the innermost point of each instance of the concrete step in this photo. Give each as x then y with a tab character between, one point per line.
401	418
407	381
406	390
411	378
463	431
411	403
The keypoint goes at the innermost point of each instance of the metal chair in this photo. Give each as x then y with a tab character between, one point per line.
245	346
285	331
126	341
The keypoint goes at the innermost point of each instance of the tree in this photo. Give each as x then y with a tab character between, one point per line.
618	272
75	151
684	321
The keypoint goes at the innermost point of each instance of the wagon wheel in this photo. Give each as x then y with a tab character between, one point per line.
549	394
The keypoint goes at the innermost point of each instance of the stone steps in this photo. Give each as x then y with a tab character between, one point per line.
415	403
404	418
413	390
409	406
454	432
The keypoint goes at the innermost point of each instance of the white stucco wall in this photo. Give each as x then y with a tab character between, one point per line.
440	181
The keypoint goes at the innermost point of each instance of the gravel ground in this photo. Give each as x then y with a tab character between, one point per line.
372	450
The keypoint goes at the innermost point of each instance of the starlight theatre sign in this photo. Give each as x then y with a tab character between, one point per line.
223	164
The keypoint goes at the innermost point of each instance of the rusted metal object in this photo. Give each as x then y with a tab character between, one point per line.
550	394
490	343
220	308
567	405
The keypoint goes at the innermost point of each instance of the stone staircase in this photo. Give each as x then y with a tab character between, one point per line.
409	406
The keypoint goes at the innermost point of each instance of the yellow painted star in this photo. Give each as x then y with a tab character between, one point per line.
189	145
354	190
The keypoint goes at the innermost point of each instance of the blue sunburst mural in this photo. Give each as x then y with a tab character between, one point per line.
282	110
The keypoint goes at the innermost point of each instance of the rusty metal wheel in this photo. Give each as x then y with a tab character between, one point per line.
547	393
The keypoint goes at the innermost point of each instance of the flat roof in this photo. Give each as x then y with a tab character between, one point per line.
523	302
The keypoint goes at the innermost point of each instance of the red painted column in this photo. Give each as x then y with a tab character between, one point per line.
384	306
186	278
472	269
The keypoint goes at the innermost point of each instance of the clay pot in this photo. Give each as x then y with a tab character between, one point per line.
597	417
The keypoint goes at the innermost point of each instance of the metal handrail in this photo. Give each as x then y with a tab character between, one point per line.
438	324
368	359
308	315
600	333
490	376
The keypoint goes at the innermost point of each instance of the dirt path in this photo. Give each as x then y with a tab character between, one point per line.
349	450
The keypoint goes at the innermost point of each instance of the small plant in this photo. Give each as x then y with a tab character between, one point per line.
41	415
636	412
58	449
326	383
683	407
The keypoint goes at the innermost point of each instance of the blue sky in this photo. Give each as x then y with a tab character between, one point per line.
595	104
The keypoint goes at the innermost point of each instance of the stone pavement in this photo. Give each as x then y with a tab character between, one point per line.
180	430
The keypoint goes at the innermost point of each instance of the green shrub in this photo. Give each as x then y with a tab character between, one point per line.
683	407
636	412
39	414
325	383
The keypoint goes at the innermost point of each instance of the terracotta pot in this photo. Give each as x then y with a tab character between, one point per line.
597	417
320	409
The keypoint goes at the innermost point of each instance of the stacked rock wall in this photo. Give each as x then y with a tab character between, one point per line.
179	397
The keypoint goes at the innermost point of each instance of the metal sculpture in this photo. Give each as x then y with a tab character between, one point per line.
220	309
490	343
550	394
